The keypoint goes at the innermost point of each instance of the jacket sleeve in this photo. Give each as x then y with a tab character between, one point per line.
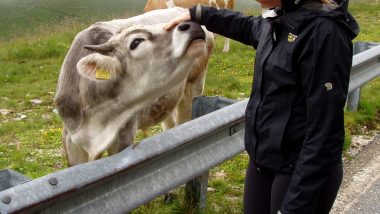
231	24
324	62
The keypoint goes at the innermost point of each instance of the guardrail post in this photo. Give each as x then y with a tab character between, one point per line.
196	193
196	189
353	98
10	178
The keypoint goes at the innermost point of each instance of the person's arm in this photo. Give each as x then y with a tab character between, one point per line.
231	24
228	23
325	62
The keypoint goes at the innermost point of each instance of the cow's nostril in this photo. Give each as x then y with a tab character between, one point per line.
184	26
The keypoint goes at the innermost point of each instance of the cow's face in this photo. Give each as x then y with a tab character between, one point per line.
146	56
145	62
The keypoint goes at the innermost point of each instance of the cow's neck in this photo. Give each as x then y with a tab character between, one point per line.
101	126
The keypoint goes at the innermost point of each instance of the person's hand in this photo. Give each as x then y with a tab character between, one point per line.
182	18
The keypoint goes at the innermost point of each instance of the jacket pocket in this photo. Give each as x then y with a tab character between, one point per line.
272	119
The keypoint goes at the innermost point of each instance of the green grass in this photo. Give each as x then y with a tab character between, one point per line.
29	68
18	17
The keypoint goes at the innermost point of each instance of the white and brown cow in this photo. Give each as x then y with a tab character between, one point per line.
113	70
219	4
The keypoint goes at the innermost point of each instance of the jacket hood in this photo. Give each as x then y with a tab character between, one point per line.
311	10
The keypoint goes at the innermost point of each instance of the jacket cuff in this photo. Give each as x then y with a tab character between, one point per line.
196	13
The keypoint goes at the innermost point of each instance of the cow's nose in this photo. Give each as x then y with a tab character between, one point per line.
184	26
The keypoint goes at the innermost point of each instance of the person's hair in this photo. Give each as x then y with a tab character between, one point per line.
328	1
291	5
331	2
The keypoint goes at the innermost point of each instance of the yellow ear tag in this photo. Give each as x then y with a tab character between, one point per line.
102	74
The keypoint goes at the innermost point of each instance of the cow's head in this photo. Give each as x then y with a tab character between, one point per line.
145	62
146	57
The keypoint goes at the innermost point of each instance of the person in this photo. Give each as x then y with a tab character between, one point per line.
294	120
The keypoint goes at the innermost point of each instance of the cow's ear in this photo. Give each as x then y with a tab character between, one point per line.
98	67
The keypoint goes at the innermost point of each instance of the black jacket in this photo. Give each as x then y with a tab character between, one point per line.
294	118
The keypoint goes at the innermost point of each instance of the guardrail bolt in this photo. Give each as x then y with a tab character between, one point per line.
232	130
6	200
53	181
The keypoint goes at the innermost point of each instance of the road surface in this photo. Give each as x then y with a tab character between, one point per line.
360	190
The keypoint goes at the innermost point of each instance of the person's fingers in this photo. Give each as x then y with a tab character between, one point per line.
173	23
170	25
184	17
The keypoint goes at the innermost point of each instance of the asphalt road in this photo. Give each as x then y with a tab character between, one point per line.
369	202
360	190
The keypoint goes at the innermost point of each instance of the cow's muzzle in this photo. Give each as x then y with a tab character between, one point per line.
194	29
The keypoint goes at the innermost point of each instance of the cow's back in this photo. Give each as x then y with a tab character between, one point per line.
161	4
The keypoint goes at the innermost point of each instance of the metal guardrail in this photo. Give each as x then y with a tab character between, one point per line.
365	67
138	174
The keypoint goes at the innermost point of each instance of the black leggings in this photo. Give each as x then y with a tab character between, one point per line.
264	191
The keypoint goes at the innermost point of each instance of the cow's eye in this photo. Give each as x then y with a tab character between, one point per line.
135	43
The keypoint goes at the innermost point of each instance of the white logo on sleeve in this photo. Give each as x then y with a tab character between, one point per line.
328	86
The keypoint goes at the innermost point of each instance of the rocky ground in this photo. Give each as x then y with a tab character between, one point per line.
360	190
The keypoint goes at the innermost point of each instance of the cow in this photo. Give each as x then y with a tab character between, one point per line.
219	4
113	70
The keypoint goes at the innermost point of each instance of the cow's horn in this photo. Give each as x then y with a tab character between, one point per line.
102	48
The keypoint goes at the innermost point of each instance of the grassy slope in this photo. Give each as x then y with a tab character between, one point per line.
20	16
29	68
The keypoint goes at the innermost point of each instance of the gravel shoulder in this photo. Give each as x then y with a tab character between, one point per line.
360	190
